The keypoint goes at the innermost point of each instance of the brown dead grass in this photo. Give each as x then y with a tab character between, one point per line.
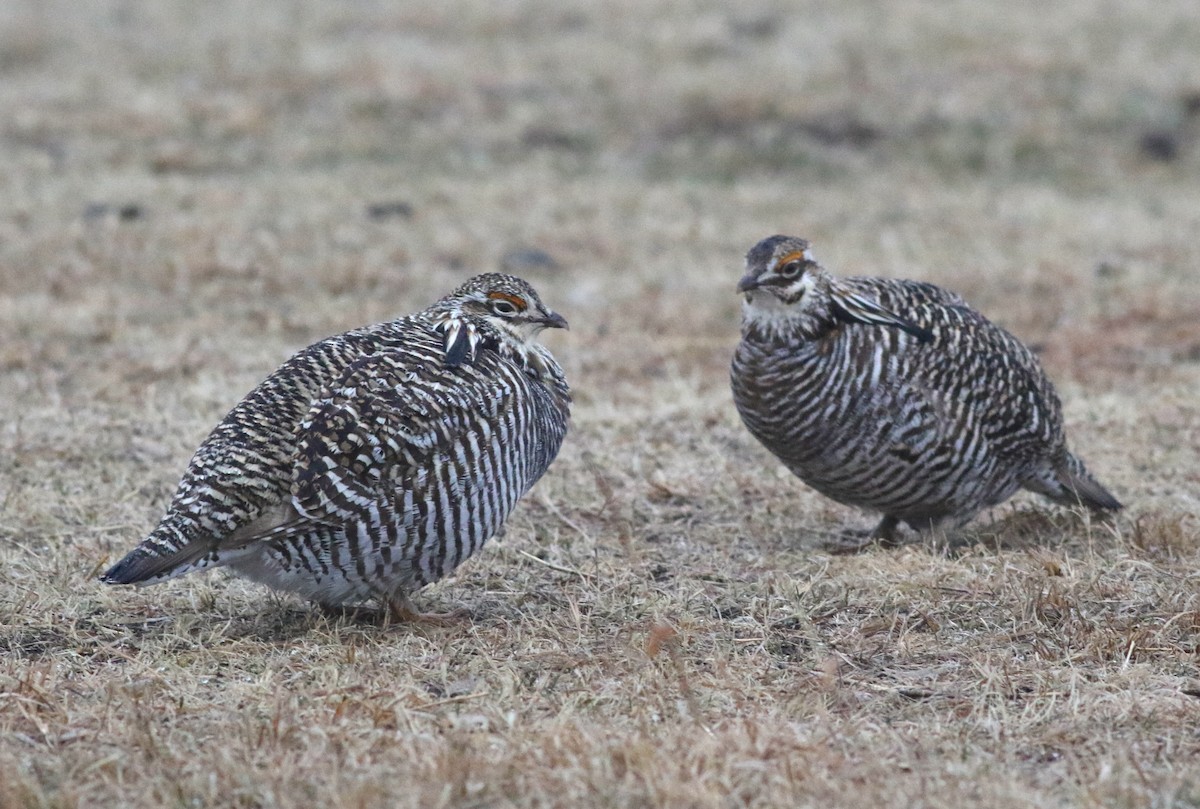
192	194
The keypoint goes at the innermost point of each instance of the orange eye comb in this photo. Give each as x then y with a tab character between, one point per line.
513	299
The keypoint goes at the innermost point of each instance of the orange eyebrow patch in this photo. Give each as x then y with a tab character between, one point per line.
795	255
515	300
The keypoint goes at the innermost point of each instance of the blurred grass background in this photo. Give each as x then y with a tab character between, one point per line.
192	191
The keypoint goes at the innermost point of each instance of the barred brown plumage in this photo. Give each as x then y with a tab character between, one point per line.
375	461
896	396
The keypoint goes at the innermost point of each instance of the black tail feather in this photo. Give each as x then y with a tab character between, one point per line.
1070	484
142	565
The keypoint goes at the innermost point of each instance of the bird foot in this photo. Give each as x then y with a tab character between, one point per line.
856	541
402	611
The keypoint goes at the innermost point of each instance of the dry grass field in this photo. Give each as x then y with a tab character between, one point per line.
192	191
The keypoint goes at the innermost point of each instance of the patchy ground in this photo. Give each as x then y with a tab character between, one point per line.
193	192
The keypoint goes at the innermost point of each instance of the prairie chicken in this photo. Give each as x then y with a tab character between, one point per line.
896	396
376	461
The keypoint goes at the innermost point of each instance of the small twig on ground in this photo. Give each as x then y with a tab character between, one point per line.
552	566
567	521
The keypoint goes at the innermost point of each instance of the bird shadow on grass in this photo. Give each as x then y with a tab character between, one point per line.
102	633
1029	528
1023	528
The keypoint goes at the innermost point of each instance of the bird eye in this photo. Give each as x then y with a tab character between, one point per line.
504	308
791	270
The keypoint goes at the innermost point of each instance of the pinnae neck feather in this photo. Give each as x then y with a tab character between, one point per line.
776	320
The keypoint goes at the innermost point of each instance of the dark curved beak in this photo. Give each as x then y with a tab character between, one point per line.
749	281
553	320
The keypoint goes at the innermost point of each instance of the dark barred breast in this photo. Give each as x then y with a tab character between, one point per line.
419	475
922	430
